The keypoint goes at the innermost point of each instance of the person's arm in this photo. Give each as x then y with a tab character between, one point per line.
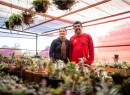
52	48
70	49
91	51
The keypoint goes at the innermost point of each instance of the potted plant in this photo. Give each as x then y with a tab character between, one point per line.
15	19
41	5
27	17
8	26
64	4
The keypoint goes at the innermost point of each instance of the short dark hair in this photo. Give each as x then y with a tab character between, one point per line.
77	22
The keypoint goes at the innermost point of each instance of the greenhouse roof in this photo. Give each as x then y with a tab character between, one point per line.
89	12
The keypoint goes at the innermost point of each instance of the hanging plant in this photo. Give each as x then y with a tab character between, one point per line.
41	5
27	17
8	26
14	19
64	4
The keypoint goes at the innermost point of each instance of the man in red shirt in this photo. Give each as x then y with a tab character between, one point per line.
81	45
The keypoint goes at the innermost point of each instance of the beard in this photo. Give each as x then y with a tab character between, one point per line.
77	31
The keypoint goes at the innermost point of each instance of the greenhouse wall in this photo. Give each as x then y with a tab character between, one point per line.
109	39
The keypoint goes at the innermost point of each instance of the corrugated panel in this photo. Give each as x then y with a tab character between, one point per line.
95	12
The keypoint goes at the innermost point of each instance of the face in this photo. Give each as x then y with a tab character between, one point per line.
78	29
62	32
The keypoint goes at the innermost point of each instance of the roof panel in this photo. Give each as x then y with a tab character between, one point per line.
84	11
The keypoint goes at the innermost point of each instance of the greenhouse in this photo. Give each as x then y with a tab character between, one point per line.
64	47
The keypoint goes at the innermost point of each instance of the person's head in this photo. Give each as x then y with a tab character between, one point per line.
62	32
78	27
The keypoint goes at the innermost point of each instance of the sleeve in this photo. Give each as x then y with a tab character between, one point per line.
52	48
70	49
91	51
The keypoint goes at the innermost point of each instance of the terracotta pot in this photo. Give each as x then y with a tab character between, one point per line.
37	76
123	71
27	76
27	18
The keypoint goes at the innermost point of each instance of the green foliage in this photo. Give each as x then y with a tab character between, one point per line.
67	82
2	66
56	74
64	4
1	57
50	70
13	19
9	86
55	91
83	88
40	2
70	68
29	13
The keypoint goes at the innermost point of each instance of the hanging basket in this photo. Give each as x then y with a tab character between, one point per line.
41	9
64	4
15	19
41	6
27	18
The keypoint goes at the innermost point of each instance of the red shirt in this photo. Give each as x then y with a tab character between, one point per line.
81	46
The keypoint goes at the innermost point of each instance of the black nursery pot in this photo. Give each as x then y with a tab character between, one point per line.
7	25
46	78
118	79
16	73
5	93
55	82
126	89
